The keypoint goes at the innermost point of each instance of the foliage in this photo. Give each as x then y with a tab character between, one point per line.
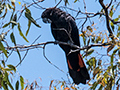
104	67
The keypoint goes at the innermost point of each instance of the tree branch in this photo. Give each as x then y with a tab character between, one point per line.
42	45
22	58
58	3
107	17
50	61
29	6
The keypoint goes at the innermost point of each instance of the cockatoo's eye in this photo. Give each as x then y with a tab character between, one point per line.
47	20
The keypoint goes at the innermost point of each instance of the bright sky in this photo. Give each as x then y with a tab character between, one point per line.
35	66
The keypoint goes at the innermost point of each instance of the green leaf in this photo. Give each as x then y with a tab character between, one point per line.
10	85
111	11
22	82
118	34
95	85
1	75
4	85
116	19
29	24
21	34
14	21
91	62
96	71
17	85
100	88
89	28
3	49
98	39
4	79
7	82
8	69
28	15
6	76
12	67
75	1
112	25
119	53
112	58
3	63
84	37
12	38
66	2
118	28
112	61
19	54
89	52
110	48
6	25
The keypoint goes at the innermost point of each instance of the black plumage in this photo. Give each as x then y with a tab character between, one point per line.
63	28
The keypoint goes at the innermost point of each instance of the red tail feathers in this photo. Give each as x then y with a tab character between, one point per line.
81	62
79	75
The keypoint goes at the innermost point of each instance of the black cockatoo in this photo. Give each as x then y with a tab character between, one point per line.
64	29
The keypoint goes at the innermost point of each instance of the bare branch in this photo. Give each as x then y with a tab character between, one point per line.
107	18
58	3
42	45
90	14
109	4
22	58
50	61
36	39
38	4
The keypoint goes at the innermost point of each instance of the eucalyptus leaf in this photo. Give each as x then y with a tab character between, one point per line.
28	15
17	85
12	67
12	38
22	82
3	49
21	34
29	24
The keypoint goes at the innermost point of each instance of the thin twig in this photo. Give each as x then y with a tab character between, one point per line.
107	18
38	4
22	58
50	61
58	3
109	4
9	55
29	6
36	39
27	52
90	14
83	25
